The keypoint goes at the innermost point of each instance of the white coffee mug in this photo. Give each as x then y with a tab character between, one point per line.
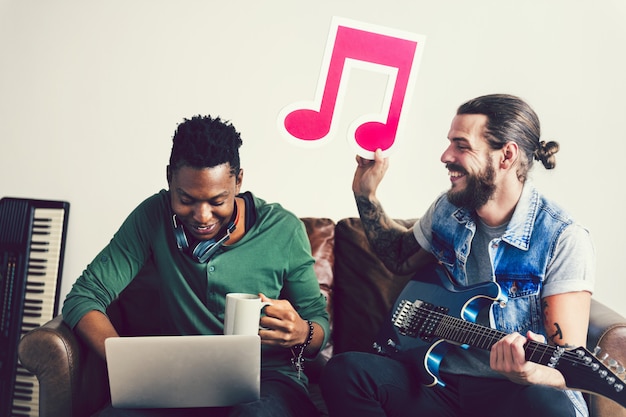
242	313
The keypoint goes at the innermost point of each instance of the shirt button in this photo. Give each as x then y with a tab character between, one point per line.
211	268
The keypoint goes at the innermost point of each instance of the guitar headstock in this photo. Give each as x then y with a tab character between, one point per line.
588	372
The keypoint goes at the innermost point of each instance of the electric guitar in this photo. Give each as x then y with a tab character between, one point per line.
423	323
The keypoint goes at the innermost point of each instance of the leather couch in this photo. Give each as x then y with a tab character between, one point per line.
360	292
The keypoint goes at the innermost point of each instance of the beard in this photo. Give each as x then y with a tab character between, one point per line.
479	188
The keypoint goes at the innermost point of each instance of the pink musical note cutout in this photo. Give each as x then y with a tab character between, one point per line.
357	45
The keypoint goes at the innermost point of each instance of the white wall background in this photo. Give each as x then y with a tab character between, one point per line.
91	92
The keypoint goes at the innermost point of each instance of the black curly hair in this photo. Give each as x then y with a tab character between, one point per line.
205	142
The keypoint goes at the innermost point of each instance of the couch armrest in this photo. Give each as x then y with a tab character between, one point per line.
60	361
607	329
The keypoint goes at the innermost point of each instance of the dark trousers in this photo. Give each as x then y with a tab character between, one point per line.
369	385
280	397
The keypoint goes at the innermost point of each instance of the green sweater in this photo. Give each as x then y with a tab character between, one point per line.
273	257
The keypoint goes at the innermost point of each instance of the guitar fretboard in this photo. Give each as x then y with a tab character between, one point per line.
426	321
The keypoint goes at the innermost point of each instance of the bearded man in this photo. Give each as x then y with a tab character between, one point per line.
491	226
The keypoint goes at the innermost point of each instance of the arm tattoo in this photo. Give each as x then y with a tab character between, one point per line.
558	333
392	243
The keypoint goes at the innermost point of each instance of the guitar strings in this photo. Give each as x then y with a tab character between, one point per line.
483	332
580	367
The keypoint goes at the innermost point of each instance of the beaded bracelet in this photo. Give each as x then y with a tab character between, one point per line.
297	359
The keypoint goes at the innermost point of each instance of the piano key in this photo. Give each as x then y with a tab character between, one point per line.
32	267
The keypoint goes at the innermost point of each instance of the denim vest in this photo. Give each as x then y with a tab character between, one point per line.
519	258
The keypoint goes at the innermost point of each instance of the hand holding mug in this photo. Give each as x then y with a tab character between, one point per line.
281	325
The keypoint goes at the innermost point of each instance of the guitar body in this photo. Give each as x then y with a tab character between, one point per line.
433	284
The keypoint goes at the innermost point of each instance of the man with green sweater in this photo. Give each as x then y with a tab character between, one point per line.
198	241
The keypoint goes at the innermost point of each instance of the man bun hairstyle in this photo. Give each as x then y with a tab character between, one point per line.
545	153
511	119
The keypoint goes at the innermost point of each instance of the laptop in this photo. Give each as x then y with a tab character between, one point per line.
183	371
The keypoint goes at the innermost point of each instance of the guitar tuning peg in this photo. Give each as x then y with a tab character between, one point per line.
617	367
611	363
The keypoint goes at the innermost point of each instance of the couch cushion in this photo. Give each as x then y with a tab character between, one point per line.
321	232
364	289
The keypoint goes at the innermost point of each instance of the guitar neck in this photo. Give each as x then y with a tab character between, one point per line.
466	333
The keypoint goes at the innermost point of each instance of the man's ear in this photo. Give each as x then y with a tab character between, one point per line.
239	180
510	153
